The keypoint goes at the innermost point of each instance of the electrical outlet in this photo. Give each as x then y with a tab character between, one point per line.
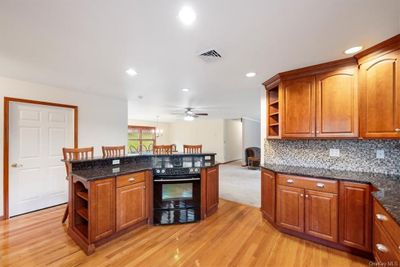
116	161
333	152
380	154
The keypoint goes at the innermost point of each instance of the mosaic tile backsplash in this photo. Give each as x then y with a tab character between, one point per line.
355	155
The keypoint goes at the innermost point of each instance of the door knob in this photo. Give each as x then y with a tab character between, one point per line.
16	165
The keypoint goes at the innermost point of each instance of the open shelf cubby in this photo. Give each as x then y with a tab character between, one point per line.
81	205
273	112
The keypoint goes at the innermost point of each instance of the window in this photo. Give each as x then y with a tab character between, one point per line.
141	138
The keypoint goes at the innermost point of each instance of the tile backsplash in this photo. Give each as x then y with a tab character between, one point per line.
355	155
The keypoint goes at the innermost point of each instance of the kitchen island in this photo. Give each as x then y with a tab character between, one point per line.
111	196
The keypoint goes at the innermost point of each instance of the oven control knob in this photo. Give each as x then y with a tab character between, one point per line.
163	171
191	170
196	170
157	171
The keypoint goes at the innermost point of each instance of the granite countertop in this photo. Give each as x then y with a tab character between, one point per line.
144	154
388	186
110	171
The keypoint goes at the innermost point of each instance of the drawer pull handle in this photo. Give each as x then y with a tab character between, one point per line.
290	181
131	179
320	185
382	248
381	217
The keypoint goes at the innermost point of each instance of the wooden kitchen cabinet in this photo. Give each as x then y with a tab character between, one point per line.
268	195
337	103
131	205
212	191
290	208
380	96
321	215
355	211
102	208
298	118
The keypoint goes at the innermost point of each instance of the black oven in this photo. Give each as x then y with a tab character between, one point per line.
176	198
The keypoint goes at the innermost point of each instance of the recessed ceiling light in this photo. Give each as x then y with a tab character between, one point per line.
187	15
131	72
353	50
185	90
250	74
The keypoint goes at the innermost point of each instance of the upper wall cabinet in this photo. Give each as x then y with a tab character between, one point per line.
380	90
337	104
317	102
298	107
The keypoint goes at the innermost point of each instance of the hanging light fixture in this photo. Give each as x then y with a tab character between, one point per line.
159	132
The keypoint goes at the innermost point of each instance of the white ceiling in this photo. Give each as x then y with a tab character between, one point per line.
88	44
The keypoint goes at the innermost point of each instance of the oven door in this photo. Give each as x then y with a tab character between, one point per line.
176	199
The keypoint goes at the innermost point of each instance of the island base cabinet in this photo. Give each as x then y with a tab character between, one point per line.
290	208
212	190
321	215
355	213
102	209
131	205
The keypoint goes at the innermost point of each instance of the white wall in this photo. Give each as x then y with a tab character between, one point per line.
102	120
232	140
251	135
208	132
162	140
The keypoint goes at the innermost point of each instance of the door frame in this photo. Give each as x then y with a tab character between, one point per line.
6	137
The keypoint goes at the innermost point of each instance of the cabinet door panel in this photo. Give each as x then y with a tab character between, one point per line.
290	208
321	215
268	195
212	198
102	208
299	107
355	215
380	97
131	205
337	104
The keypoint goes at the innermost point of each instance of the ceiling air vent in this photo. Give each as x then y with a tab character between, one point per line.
210	55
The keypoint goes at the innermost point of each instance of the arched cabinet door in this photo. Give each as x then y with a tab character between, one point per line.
380	97
337	104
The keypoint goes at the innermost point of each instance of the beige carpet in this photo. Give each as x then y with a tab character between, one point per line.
240	184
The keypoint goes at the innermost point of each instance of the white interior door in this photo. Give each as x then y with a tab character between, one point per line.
37	134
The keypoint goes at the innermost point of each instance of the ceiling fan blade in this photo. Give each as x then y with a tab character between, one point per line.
201	114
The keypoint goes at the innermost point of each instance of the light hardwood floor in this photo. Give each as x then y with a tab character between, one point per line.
235	236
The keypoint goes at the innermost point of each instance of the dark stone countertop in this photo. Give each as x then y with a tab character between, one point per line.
388	186
138	155
111	171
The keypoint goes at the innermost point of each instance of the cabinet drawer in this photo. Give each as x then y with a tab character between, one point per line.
129	179
384	249
323	185
382	218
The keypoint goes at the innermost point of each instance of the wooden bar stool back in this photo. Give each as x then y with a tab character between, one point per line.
192	149
162	149
74	154
113	151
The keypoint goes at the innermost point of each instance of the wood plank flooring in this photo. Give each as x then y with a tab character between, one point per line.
234	236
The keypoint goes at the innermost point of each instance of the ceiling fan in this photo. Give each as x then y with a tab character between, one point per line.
190	115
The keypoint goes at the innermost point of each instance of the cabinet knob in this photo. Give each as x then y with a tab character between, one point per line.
317	131
381	217
307	196
382	248
397	130
320	185
290	181
301	195
131	179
